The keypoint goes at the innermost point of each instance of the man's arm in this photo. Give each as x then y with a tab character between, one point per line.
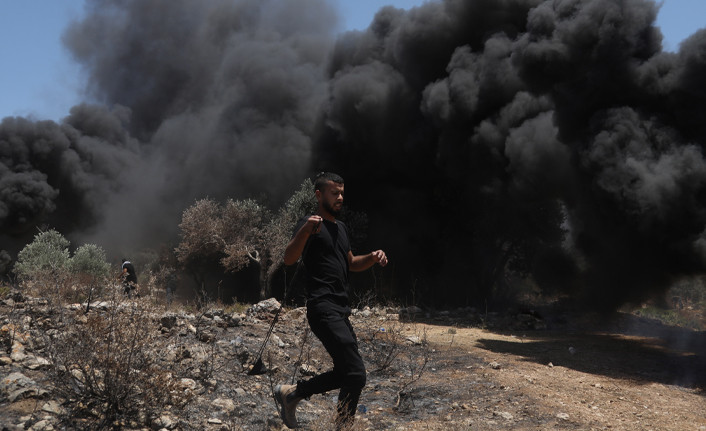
363	262
298	242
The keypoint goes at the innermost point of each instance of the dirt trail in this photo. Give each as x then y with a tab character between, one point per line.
629	375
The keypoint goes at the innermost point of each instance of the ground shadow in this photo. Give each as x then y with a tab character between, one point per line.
619	346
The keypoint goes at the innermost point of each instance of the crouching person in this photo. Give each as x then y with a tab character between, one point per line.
323	243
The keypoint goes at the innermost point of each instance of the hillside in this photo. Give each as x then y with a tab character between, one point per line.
448	370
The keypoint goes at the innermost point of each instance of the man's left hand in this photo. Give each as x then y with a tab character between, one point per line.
379	257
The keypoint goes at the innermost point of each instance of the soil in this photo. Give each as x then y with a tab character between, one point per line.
594	373
462	370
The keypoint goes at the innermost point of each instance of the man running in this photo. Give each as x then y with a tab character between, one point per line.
326	263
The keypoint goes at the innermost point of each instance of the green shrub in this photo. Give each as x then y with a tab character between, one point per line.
90	270
89	260
48	253
43	264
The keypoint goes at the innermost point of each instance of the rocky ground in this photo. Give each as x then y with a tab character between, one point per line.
448	370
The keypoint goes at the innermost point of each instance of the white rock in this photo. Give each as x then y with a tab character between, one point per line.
224	404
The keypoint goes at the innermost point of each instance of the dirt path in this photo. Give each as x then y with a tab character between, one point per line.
620	379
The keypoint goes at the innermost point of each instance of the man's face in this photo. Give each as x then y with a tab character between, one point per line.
331	198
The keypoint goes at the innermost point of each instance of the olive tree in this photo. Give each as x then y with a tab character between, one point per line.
90	269
43	263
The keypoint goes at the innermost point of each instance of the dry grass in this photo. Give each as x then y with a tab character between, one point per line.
107	366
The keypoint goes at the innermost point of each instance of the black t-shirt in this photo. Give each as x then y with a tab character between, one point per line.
131	276
325	267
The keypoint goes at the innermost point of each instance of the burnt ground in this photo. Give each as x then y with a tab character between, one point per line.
440	371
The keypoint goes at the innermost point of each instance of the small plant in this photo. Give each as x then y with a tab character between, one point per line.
43	264
109	368
90	269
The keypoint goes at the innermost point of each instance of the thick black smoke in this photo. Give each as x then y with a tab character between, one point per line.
214	98
483	137
553	135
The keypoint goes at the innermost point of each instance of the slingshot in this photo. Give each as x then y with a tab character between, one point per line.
259	367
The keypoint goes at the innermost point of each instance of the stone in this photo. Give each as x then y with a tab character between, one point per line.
189	384
234	320
164	422
17	386
264	308
36	363
42	425
278	341
414	340
18	352
53	407
505	415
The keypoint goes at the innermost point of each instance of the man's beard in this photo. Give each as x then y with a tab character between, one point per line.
331	210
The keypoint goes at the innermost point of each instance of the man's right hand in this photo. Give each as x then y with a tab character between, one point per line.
314	224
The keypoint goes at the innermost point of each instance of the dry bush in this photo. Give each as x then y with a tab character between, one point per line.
385	345
107	367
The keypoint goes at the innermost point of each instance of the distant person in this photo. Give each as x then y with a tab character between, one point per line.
323	243
129	278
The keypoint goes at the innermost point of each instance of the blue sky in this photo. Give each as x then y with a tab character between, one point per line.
38	78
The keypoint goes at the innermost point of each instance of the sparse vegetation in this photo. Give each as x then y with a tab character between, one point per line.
43	264
109	368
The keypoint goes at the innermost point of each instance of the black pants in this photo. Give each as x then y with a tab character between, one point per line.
331	325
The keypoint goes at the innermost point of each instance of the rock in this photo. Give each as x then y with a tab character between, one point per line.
227	405
297	313
278	341
234	320
36	363
240	392
264	309
563	416
505	415
414	340
164	421
495	365
53	407
214	421
18	352
42	425
188	384
18	386
5	360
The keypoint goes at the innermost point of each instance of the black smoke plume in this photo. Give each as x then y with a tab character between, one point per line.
484	138
550	137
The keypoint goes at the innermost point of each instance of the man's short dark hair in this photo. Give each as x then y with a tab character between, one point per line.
324	177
